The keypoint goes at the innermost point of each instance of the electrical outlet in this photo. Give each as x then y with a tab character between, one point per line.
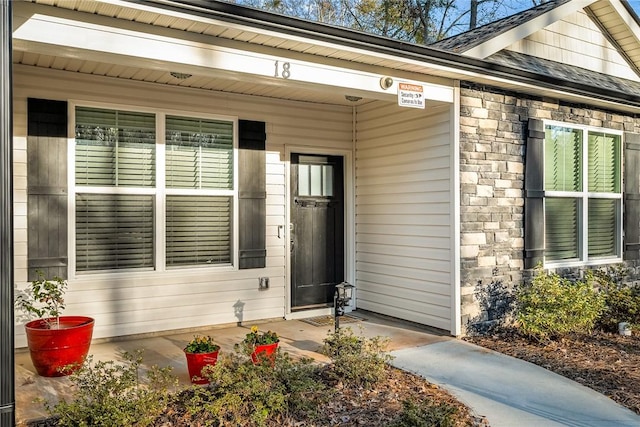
263	283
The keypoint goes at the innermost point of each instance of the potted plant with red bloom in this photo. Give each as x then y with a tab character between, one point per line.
58	344
201	351
261	345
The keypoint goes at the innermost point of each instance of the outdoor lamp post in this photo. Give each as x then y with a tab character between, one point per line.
341	298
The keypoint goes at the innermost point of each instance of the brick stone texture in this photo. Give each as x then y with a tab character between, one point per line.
492	153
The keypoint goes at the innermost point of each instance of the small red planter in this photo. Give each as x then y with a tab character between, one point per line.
196	363
54	349
264	352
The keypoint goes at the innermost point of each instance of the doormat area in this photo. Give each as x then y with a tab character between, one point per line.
328	320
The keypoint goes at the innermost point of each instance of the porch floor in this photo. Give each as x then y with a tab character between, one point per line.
297	337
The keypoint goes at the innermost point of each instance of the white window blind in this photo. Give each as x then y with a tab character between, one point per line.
563	158
114	231
115	148
198	230
561	237
604	177
604	163
199	153
199	156
603	234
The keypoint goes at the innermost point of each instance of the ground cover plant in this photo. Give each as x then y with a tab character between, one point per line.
115	394
571	328
357	388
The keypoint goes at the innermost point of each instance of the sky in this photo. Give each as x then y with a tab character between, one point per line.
635	4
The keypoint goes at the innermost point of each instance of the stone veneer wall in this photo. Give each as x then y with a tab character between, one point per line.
492	151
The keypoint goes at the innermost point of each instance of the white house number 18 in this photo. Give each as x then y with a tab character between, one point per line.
286	70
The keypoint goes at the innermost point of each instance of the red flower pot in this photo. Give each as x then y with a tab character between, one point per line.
54	349
264	352
196	363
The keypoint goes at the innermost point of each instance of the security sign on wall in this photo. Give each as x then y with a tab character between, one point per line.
410	95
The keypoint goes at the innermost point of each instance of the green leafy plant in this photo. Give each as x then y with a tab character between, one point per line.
550	306
201	344
622	302
43	298
113	394
244	394
256	337
426	414
356	360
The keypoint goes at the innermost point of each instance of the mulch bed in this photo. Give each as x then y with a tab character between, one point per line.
605	362
376	406
380	405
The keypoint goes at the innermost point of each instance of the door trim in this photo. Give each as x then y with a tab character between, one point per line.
349	224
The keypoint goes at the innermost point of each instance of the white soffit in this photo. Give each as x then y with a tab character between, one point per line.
501	41
620	25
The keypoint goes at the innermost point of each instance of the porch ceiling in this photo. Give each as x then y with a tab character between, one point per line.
164	77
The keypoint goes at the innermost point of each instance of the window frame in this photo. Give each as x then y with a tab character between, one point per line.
159	191
583	197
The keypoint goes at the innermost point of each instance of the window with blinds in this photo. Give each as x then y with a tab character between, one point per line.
115	148
114	231
583	198
199	157
116	190
198	230
604	163
562	231
563	159
199	153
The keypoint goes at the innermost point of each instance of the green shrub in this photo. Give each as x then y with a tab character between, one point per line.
306	392
622	302
244	394
113	394
426	414
357	360
550	306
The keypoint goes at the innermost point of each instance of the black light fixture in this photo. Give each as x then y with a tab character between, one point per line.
341	298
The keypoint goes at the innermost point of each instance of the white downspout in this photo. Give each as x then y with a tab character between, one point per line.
456	328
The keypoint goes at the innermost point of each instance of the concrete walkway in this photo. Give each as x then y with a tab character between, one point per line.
510	392
507	391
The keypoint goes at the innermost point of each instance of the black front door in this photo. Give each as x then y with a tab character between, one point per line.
317	229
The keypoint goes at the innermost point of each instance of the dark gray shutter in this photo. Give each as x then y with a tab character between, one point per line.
631	220
534	195
252	194
47	187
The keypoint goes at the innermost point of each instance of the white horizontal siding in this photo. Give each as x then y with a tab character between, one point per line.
19	193
145	302
404	213
576	40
